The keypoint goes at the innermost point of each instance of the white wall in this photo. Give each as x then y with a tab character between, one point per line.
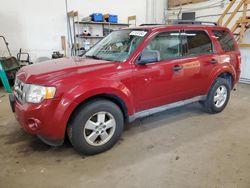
36	26
208	11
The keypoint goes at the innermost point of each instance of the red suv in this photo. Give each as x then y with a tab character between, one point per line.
130	74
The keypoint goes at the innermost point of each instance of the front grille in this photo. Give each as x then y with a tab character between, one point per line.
19	90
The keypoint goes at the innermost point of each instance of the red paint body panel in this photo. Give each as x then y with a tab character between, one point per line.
139	87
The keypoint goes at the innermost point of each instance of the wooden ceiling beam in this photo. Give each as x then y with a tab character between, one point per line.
175	3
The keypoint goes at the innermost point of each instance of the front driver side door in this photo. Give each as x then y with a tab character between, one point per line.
164	81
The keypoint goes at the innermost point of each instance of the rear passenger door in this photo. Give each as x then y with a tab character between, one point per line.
199	59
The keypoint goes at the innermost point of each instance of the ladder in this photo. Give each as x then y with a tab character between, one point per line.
242	24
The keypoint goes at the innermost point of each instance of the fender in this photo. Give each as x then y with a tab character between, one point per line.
81	92
218	70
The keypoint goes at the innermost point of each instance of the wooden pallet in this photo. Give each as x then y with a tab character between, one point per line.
242	24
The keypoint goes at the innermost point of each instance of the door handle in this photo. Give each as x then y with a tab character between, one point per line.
177	67
214	61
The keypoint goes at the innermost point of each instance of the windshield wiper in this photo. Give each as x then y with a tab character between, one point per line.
96	57
93	56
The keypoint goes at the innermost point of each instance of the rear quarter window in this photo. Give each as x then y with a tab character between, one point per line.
225	39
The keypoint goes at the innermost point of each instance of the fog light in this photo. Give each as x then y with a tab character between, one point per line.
33	124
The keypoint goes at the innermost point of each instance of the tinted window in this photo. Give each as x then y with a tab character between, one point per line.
168	45
198	42
225	40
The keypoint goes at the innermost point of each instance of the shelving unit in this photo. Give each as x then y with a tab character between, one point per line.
97	30
90	37
104	23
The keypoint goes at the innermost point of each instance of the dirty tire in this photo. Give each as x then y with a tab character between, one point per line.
90	119
209	104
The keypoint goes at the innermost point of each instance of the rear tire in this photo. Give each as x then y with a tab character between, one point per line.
218	96
96	127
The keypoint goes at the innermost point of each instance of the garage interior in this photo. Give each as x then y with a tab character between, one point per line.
181	147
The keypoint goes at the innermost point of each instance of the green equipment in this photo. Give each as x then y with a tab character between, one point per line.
4	79
9	65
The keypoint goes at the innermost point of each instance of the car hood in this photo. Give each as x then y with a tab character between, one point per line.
51	71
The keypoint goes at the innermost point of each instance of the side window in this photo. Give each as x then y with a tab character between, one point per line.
225	40
167	45
198	42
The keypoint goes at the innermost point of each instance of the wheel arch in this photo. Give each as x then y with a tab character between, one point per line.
228	76
227	73
105	96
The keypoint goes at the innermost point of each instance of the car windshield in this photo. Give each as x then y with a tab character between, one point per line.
117	46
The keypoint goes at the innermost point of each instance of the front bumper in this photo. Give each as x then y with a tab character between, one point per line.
39	120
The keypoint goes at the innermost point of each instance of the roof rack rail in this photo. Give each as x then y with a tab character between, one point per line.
151	24
192	22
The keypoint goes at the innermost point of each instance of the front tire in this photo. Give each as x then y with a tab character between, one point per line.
96	127
218	96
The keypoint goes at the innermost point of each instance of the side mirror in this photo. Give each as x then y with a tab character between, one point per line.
148	56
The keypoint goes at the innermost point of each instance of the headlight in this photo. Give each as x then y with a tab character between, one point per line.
36	94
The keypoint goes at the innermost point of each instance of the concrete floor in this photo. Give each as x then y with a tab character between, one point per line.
184	147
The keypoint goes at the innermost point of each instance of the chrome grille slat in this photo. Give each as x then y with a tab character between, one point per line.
19	90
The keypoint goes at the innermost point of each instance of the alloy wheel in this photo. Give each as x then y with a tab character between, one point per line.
99	128
220	96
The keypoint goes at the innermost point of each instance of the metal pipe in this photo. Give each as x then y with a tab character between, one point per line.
205	16
68	25
154	3
165	13
7	45
147	11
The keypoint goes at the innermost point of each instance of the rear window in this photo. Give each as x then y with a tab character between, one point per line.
198	42
225	40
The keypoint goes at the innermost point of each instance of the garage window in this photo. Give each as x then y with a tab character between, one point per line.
225	40
198	42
